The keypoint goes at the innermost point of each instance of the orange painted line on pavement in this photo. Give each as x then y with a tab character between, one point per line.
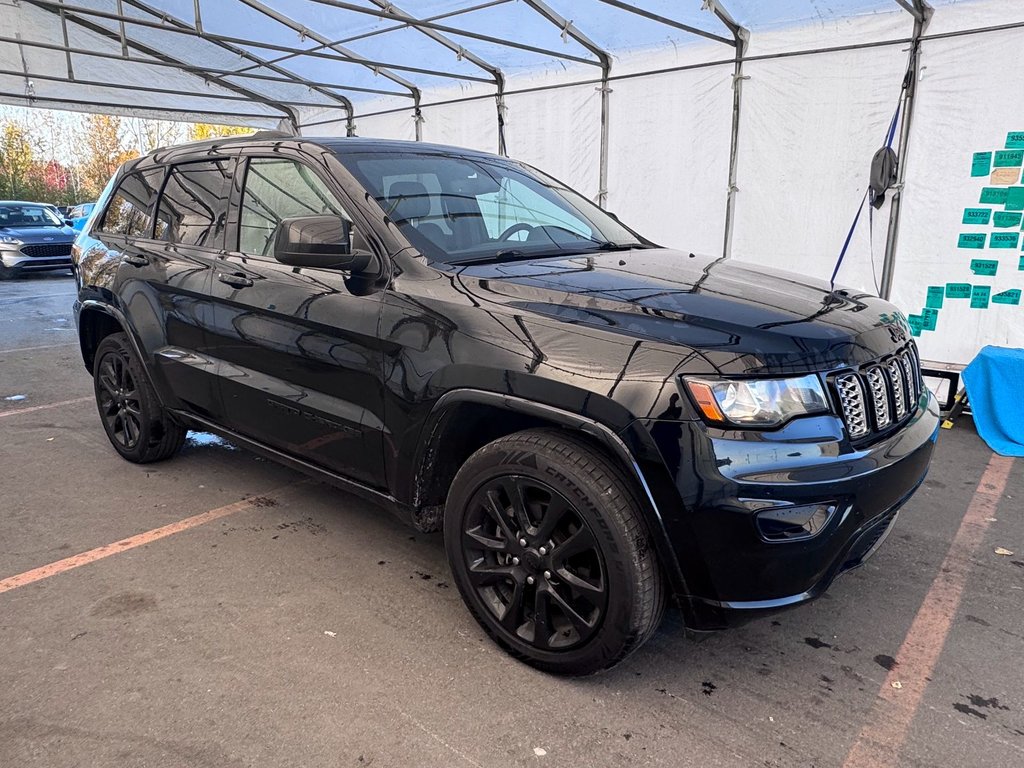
16	411
879	742
92	555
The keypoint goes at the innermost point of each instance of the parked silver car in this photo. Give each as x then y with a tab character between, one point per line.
33	238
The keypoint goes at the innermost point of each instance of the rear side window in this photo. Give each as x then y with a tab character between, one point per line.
194	204
130	211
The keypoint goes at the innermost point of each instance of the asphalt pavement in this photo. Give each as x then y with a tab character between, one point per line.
296	625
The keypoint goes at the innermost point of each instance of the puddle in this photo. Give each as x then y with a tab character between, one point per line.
204	439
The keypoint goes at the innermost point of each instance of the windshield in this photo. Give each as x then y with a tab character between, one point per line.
28	216
460	210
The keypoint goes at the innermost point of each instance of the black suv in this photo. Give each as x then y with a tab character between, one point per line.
594	422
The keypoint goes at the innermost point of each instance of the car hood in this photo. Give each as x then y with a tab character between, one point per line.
40	234
744	318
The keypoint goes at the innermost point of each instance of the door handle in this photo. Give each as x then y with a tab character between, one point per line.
236	280
134	260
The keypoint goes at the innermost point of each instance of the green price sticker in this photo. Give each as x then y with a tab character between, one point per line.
981	164
1015	139
970	241
1015	198
977	215
995	195
930	318
979	296
1003	239
1009	158
916	322
1005	220
960	290
935	294
1011	296
984	266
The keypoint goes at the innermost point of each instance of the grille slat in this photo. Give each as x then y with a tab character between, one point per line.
879	395
851	397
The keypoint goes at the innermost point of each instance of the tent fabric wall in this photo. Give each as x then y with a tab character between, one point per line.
669	164
968	101
821	82
809	126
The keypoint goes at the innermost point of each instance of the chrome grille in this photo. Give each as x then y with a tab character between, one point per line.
879	396
851	398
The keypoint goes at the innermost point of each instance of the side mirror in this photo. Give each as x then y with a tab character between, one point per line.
68	223
319	241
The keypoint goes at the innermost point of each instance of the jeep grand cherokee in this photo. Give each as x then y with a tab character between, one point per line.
597	424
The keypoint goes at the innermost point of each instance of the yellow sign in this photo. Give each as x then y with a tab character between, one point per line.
1005	177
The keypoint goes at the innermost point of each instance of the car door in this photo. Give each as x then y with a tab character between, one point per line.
298	348
162	281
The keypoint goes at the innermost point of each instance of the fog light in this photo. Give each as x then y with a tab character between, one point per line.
794	523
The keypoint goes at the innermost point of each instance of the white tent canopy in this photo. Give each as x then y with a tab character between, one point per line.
736	127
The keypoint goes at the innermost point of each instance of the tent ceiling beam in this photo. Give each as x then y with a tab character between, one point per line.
121	107
146	50
667	21
149	89
179	24
319	47
342	5
199	71
495	73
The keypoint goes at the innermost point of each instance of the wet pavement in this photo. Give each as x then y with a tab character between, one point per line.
311	628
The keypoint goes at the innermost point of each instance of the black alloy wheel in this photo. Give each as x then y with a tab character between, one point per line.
118	400
534	563
551	553
137	425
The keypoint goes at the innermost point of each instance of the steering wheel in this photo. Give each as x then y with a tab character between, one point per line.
515	228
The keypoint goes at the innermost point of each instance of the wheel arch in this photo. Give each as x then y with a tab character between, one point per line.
96	321
505	414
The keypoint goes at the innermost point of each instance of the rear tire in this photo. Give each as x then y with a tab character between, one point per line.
137	426
549	549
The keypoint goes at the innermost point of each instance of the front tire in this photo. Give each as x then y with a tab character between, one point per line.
136	424
550	552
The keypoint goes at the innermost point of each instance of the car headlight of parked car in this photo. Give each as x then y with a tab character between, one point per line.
8	240
757	402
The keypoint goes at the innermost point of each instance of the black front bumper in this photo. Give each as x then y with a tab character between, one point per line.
723	478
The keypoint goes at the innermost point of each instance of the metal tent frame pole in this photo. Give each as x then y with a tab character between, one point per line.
922	13
462	53
740	37
569	29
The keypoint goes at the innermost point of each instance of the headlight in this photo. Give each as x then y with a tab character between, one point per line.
757	402
8	240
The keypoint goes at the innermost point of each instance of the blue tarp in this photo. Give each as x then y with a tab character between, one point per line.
995	390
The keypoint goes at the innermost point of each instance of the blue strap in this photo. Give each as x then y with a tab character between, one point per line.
849	237
888	144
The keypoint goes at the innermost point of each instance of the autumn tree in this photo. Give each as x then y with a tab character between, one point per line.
202	131
16	160
104	151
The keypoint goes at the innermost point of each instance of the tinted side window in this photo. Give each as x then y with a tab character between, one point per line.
275	190
194	204
130	210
